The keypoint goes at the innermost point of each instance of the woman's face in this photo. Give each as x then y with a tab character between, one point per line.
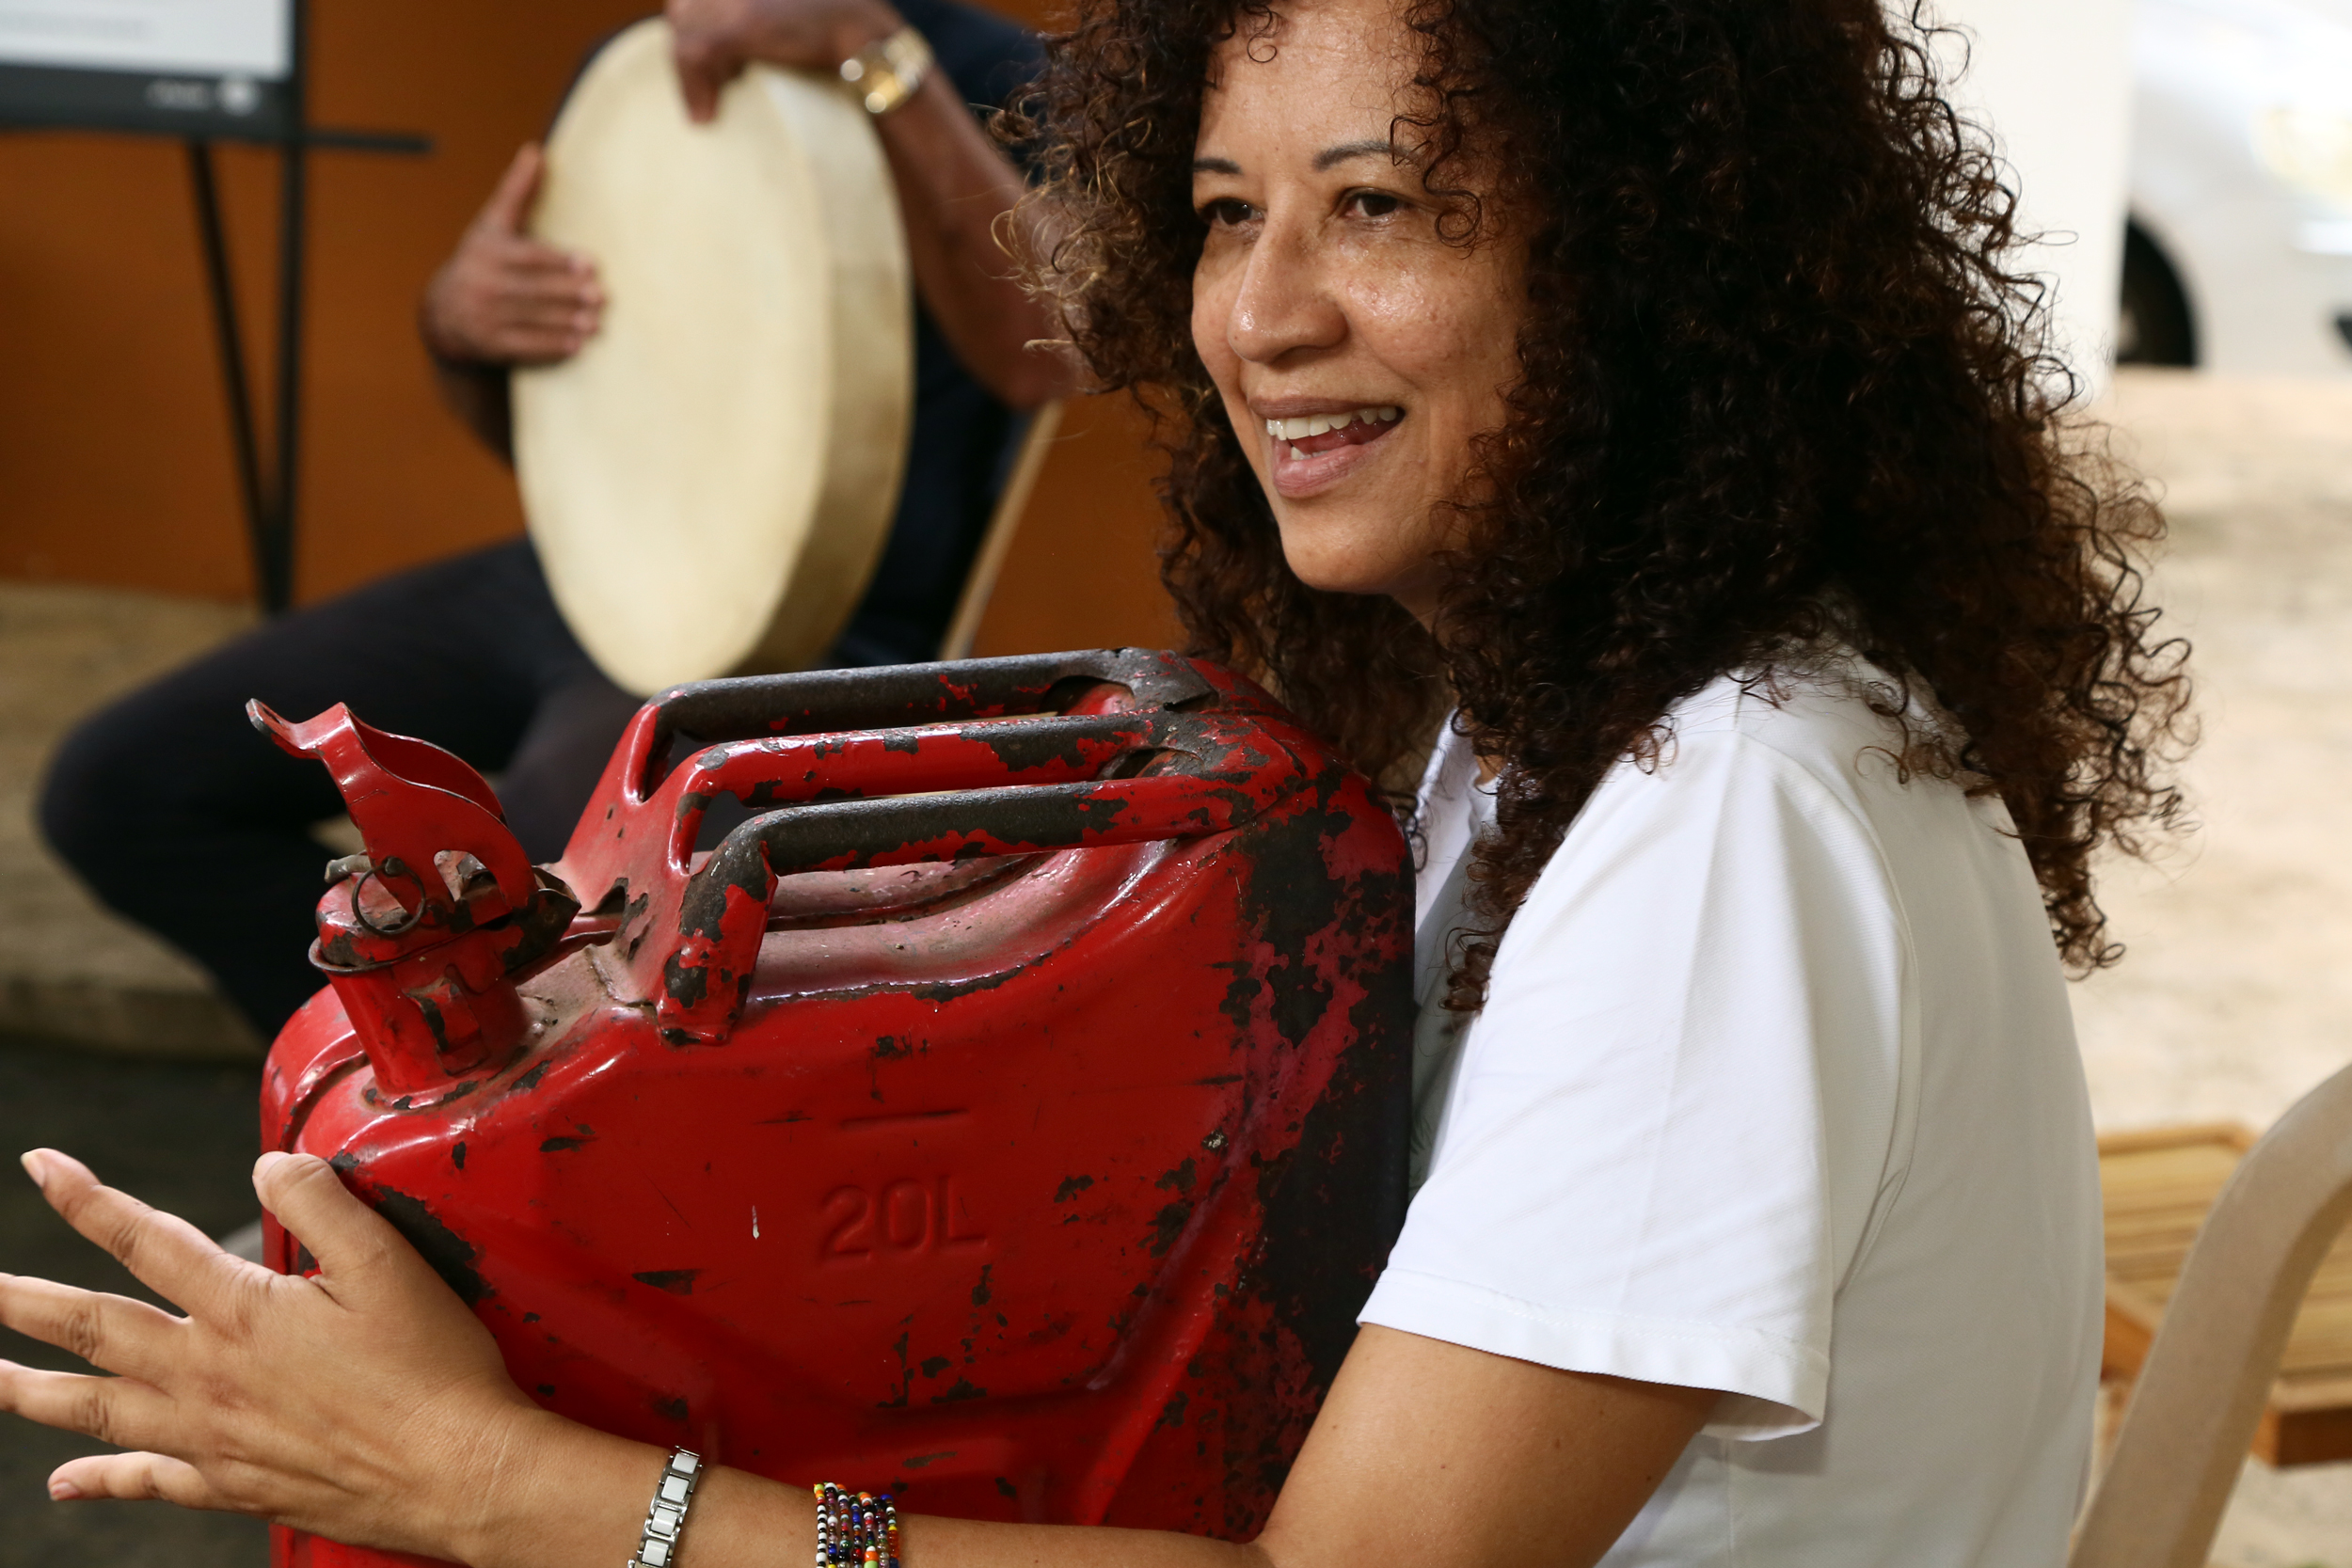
1357	351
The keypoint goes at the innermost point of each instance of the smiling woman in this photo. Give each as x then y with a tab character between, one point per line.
1646	377
1327	294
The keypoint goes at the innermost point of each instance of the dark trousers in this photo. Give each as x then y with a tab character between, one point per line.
181	817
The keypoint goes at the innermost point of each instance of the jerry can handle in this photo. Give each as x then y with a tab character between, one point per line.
813	702
723	912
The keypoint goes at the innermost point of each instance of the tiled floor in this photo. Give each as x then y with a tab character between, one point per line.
2236	998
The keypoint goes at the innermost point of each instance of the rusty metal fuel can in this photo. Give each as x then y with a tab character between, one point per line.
1009	1111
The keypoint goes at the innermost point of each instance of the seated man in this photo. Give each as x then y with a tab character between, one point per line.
180	817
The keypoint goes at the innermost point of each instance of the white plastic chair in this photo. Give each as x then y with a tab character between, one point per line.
2201	1391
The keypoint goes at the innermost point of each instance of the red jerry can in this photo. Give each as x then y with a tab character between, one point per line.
1010	1112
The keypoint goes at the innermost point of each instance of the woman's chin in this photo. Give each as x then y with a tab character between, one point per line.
1332	562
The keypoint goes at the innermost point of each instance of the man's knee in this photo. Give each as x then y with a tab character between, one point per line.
88	807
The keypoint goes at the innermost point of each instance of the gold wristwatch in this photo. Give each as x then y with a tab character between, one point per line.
886	74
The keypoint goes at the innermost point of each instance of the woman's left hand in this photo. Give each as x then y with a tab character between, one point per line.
365	1403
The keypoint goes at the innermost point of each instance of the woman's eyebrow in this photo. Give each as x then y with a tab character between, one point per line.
1331	157
1327	160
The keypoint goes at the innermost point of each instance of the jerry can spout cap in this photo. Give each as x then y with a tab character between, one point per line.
424	935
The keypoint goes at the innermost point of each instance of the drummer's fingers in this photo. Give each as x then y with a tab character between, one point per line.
510	204
704	64
120	1412
164	1252
553	338
536	258
541	348
550	312
113	1332
533	279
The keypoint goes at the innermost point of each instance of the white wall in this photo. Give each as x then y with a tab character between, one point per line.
194	36
2051	78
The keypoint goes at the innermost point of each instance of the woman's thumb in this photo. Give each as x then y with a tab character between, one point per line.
310	1199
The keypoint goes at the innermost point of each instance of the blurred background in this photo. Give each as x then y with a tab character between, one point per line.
2186	163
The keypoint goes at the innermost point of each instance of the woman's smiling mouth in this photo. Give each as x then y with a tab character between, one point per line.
1312	451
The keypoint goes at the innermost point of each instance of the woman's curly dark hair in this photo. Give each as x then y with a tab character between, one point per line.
1780	381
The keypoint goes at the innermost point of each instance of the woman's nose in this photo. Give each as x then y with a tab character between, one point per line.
1286	302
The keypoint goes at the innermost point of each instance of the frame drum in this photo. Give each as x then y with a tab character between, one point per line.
711	481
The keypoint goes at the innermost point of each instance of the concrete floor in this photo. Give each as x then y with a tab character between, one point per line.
68	970
182	1136
2236	997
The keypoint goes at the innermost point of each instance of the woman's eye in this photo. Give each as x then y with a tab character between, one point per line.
1373	204
1227	213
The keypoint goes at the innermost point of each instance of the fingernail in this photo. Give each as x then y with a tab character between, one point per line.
34	1166
63	1491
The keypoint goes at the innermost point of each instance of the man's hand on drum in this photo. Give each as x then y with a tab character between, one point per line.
955	185
364	1402
716	38
504	298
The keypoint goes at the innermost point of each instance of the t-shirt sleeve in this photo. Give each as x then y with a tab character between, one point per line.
1675	1119
988	57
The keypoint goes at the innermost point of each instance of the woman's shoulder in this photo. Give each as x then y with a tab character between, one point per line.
1828	761
1828	716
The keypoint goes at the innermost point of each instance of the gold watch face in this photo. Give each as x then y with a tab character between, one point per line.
887	73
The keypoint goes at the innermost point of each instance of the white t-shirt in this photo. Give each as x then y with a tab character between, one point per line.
1776	1092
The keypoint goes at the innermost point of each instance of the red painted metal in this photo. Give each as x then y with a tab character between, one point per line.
1010	1112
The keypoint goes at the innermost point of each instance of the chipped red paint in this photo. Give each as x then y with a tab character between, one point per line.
1012	1114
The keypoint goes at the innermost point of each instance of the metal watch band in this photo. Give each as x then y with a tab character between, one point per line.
666	1515
886	74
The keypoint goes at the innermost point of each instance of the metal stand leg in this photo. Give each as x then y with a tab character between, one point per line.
275	557
271	508
276	563
221	285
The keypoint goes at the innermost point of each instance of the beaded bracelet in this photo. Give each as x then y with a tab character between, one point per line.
855	1529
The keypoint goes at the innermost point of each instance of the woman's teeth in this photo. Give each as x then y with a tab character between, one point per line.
1323	425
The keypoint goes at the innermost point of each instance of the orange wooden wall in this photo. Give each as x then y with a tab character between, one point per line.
114	456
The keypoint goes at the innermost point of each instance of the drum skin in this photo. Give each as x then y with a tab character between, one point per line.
1029	1171
709	481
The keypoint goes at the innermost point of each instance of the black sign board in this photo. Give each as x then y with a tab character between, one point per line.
201	70
220	69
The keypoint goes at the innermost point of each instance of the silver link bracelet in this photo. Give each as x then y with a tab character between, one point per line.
666	1515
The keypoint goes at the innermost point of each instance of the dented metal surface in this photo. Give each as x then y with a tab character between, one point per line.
1012	1112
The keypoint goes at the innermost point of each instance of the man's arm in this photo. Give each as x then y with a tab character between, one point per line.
504	299
955	187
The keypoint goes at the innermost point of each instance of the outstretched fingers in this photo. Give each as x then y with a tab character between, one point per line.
164	1252
134	1478
119	1411
109	1330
